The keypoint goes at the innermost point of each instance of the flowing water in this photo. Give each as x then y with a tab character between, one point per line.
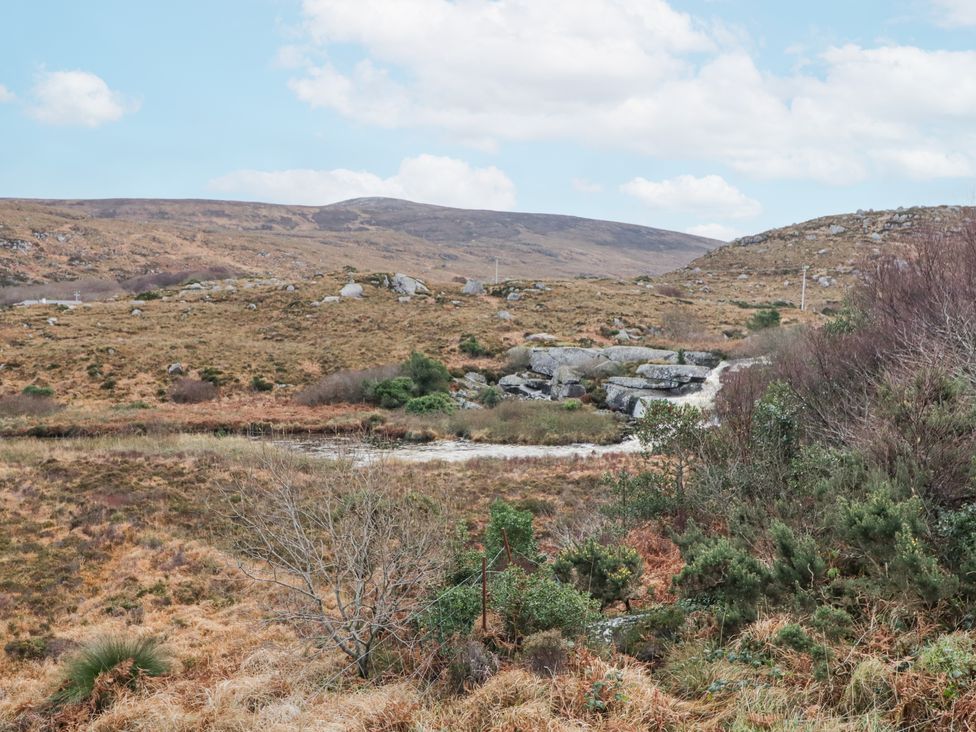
363	453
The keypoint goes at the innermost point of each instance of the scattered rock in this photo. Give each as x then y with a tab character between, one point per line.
472	287
836	229
175	369
194	286
406	285
504	315
353	289
52	321
252	306
542	337
136	312
514	296
330	298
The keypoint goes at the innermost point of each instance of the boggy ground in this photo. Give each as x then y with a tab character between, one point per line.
123	536
108	367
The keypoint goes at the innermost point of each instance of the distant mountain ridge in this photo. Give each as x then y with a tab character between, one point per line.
48	240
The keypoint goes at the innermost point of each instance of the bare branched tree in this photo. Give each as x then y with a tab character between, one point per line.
357	555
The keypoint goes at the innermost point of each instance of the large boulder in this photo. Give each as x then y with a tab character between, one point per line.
526	387
636	382
624	399
472	287
547	360
351	290
680	373
406	285
703	358
639	354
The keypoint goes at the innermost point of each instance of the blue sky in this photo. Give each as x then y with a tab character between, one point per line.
721	117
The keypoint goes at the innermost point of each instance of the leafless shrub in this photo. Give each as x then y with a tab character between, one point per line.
355	558
25	405
518	359
192	391
736	402
680	324
344	387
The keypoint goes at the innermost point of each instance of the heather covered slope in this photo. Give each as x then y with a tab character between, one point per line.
44	241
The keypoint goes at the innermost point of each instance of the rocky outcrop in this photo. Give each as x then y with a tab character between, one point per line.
472	287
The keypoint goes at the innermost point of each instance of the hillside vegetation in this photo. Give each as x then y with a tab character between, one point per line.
108	240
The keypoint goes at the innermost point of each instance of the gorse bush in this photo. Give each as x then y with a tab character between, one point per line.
531	603
124	660
32	390
471	346
453	611
436	402
764	319
608	573
491	396
428	374
391	393
508	522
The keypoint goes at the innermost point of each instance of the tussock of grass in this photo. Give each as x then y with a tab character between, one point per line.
110	662
524	423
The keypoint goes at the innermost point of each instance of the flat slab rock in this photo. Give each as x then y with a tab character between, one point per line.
682	373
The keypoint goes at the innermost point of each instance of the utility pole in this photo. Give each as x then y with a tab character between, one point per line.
496	270
803	288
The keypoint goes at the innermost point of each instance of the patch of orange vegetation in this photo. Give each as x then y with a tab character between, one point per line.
662	561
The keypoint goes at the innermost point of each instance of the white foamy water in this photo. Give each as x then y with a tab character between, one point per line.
363	453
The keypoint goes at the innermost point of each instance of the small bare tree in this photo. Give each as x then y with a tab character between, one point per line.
357	556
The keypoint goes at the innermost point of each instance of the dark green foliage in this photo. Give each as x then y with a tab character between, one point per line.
793	636
723	577
131	658
776	426
258	383
32	390
832	622
391	393
453	611
530	603
797	565
149	295
214	375
464	562
957	546
764	319
428	374
490	396
430	403
471	346
607	573
507	520
638	498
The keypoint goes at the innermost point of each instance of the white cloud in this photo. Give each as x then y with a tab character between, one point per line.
586	186
955	12
5	94
77	98
710	195
639	75
714	231
425	179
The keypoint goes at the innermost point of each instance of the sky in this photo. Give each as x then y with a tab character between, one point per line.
716	117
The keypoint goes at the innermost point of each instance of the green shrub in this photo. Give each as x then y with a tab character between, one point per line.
214	375
490	396
776	425
723	577
391	393
953	655
470	345
427	374
794	636
130	658
31	648
506	520
571	405
150	295
608	573
32	390
430	403
638	498
764	319
531	603
797	565
258	383
453	612
832	622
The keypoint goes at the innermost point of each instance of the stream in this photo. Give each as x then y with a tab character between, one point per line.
363	453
